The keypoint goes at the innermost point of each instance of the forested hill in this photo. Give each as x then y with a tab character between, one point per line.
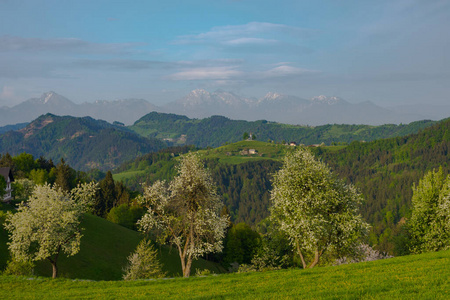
84	143
217	130
385	170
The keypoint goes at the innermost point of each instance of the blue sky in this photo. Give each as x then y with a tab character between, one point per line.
388	52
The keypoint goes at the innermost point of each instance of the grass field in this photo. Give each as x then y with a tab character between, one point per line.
423	276
233	153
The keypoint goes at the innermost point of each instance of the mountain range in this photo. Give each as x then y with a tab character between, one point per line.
124	111
200	103
84	143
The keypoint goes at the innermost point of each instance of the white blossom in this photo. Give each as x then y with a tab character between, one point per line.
186	212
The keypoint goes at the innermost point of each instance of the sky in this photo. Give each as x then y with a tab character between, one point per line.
389	52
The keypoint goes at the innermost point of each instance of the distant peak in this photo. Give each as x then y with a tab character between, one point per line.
327	100
272	96
198	92
47	96
51	97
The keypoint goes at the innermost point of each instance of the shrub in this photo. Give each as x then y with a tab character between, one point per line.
143	263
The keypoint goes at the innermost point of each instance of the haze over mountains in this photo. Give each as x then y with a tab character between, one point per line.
199	103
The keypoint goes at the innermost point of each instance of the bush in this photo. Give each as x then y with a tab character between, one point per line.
125	215
15	267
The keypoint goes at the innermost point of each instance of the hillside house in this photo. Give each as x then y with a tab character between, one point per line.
7	174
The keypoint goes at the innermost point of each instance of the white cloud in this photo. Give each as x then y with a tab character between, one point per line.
210	73
250	41
253	32
233	74
285	70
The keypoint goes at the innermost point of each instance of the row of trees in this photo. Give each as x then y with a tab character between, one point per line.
312	210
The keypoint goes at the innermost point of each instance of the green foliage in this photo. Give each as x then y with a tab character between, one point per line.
217	130
24	162
106	196
48	224
65	176
241	244
143	263
316	210
429	225
422	276
84	143
150	167
23	188
39	176
186	212
103	253
125	215
245	136
384	171
2	187
19	268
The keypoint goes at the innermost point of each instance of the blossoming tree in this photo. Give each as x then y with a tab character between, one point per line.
48	224
186	212
317	211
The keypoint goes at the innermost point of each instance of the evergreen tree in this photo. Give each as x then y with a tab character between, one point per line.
64	176
106	196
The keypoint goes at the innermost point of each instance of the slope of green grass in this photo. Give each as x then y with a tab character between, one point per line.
423	276
105	247
235	153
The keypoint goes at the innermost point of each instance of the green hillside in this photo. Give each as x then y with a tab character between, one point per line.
383	170
217	130
84	143
422	276
105	247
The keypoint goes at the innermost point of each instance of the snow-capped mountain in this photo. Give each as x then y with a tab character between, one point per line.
200	103
125	111
328	100
288	109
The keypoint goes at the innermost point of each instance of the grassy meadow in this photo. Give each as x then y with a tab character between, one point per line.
424	276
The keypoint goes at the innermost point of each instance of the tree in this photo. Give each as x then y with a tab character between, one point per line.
106	196
241	244
316	210
23	188
48	224
186	212
429	225
143	263
125	215
24	162
64	176
3	185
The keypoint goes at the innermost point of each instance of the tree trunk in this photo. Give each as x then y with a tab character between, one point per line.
317	255
190	245
53	262
55	270
187	270
301	255
182	258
